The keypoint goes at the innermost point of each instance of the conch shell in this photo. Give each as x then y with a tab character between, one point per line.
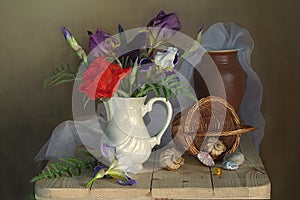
214	146
170	159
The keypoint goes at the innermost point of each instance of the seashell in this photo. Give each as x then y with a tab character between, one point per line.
229	165
205	158
214	146
235	157
170	159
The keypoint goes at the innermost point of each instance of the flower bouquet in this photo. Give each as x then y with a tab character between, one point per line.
121	72
116	67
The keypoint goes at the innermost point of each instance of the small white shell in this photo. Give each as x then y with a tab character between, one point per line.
214	146
235	157
230	165
170	159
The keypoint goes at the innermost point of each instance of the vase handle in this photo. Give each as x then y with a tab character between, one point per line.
148	108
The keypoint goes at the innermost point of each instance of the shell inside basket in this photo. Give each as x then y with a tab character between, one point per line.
211	117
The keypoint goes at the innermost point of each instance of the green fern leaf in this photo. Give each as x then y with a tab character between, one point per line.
65	167
61	75
70	162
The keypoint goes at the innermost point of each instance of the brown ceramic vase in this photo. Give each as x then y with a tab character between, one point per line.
233	77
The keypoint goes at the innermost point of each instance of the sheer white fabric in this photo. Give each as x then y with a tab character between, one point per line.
230	36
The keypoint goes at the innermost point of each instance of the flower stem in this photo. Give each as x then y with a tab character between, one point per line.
89	183
118	61
149	51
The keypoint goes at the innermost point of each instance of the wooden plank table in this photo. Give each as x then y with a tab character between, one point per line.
192	181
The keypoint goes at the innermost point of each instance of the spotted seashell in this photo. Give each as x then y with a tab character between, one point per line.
170	159
235	157
229	165
214	146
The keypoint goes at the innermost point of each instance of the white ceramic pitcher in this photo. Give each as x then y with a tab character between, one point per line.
127	132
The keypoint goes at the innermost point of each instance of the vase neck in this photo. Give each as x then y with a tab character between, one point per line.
224	56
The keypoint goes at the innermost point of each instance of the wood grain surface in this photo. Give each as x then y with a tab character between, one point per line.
191	181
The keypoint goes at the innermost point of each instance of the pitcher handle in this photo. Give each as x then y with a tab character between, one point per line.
148	108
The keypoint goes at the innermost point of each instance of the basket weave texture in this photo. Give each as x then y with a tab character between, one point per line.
210	117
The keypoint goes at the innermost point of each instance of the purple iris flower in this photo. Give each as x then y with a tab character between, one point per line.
129	181
164	26
101	43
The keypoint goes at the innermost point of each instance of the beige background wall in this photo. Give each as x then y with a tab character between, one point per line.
31	46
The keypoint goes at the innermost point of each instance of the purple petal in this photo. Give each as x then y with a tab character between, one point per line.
108	151
97	38
176	59
145	64
201	28
66	33
97	44
166	25
89	33
163	20
120	28
97	169
129	181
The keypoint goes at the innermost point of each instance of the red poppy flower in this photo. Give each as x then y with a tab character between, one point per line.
102	78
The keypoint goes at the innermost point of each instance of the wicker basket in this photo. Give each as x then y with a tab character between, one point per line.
211	117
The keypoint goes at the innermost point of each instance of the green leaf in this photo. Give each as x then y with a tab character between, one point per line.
68	161
50	173
118	174
148	74
65	167
74	159
134	72
56	170
126	62
190	95
121	92
173	84
167	93
112	165
156	90
86	100
61	75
